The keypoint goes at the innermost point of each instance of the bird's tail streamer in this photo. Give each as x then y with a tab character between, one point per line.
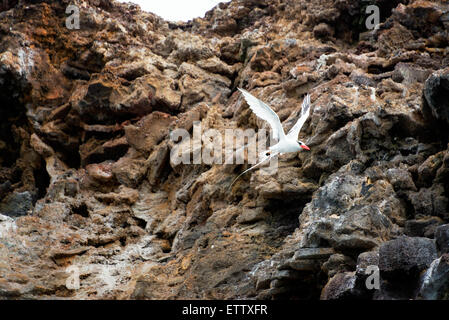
264	157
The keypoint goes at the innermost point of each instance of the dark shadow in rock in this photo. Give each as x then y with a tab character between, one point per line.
285	215
81	209
42	180
12	113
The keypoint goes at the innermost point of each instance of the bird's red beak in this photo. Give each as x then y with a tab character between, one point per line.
305	147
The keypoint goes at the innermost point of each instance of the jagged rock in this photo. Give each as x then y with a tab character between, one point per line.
338	263
197	113
17	204
5	188
424	227
323	30
106	96
339	287
344	207
148	132
196	85
436	92
252	215
125	195
419	16
367	275
442	238
435	281
286	183
215	65
56	211
401	179
366	259
95	151
408	74
130	171
313	253
101	172
307	259
158	163
430	201
406	256
401	262
428	169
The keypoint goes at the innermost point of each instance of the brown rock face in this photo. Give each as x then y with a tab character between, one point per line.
93	205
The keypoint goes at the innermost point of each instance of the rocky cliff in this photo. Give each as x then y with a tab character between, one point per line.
92	207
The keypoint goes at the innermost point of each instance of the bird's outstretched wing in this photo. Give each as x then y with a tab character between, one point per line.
305	112
265	158
264	112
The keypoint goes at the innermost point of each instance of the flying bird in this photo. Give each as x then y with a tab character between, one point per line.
286	142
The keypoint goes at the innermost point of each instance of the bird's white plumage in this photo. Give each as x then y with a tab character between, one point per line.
264	112
286	143
305	112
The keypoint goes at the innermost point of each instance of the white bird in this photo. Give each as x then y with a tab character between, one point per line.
286	142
